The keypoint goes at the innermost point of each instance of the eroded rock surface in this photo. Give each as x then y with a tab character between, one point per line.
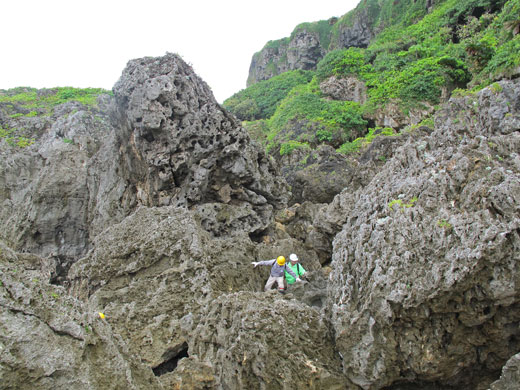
510	378
167	203
262	340
180	147
349	88
424	281
49	340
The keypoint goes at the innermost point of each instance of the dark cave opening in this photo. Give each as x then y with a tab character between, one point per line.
257	236
170	363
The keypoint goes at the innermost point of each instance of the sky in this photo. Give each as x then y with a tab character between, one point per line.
59	43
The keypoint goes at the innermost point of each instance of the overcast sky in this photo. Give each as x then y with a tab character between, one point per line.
56	43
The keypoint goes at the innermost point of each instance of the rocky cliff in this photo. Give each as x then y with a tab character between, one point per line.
309	42
302	50
154	211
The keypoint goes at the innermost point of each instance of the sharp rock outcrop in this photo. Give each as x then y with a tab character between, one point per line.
424	281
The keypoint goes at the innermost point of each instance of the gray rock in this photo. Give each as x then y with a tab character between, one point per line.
163	140
50	340
154	268
46	192
357	33
158	276
303	50
264	340
510	378
349	88
181	148
424	282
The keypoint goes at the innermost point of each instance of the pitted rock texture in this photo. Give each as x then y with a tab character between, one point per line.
181	148
163	140
425	281
357	33
265	341
316	224
49	340
48	188
324	174
510	378
152	269
155	272
392	115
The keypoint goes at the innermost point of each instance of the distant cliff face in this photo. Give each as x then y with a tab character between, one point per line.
308	44
302	51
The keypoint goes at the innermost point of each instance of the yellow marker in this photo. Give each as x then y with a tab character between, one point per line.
101	315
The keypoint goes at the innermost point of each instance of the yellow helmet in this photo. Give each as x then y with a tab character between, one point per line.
280	260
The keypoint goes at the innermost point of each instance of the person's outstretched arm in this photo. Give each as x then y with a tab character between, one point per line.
264	262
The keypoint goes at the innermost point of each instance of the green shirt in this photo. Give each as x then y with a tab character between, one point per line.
297	269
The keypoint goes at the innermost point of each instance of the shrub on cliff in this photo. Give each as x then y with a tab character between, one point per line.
305	116
259	101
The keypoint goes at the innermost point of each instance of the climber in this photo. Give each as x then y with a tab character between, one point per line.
277	272
296	267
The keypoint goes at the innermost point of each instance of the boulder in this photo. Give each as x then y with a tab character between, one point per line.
302	50
48	187
349	89
264	340
180	147
424	281
159	276
50	340
510	378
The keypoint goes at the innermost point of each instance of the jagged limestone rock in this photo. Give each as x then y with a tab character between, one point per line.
46	187
510	378
349	89
152	269
180	147
266	341
303	50
424	281
49	340
162	140
157	273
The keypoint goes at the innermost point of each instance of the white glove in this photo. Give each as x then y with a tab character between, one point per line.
298	280
254	263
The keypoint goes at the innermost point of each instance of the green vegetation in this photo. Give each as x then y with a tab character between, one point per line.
23	102
314	119
444	224
402	205
289	146
259	101
419	57
15	140
358	143
31	97
322	28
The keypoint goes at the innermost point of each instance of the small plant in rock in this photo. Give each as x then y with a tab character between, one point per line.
13	140
496	88
442	223
402	205
394	202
